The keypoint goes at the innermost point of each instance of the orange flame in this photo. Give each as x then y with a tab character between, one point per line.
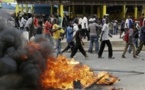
61	72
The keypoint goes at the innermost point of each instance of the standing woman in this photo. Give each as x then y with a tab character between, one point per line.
105	40
79	43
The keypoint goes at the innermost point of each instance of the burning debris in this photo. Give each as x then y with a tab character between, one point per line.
62	72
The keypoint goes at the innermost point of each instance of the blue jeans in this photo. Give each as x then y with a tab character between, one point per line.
94	39
58	46
135	41
115	31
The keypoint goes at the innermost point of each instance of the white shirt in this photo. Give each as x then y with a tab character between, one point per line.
143	23
92	19
106	32
80	20
126	23
28	22
75	29
85	21
104	21
137	26
22	22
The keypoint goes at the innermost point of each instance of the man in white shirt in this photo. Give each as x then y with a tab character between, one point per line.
85	28
128	23
75	27
105	40
80	20
22	22
143	23
29	24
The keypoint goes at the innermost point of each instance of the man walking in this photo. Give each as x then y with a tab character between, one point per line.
79	43
105	40
69	37
57	31
130	42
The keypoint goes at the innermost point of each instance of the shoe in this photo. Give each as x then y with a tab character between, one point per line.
123	56
135	57
86	57
111	57
90	51
100	57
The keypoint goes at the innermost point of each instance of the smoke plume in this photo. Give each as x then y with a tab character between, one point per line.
21	63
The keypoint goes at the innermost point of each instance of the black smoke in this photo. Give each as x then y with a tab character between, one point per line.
21	65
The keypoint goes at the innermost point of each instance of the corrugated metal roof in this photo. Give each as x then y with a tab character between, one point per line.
86	2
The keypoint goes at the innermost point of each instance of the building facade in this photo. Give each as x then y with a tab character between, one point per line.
115	8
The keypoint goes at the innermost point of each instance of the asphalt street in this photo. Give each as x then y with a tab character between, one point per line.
129	81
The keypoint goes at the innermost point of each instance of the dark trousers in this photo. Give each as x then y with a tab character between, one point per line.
81	49
140	47
85	33
69	46
103	46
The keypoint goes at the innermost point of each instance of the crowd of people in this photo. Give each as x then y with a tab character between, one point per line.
55	28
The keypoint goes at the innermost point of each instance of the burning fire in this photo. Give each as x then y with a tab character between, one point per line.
62	72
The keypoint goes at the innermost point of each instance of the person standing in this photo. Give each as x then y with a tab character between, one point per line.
22	22
128	23
135	39
142	40
85	28
60	20
122	27
105	40
75	27
48	30
80	20
130	42
29	25
17	17
94	36
79	43
35	22
115	27
39	28
141	20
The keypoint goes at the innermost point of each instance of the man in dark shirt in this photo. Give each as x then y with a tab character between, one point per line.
79	43
40	28
122	27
